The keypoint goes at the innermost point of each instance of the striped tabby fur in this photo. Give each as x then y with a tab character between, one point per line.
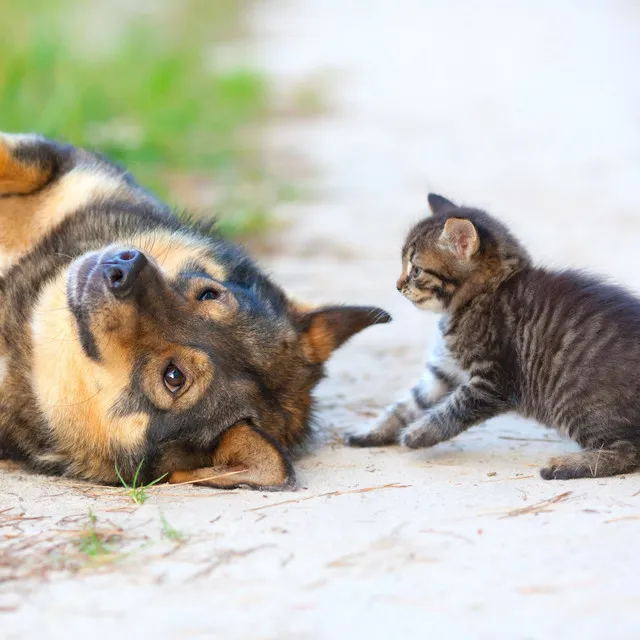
562	348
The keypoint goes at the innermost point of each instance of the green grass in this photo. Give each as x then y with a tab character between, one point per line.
92	543
169	532
138	492
151	97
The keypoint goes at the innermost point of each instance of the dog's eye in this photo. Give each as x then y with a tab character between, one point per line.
415	271
174	379
209	294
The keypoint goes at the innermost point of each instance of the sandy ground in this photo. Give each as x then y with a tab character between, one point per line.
532	112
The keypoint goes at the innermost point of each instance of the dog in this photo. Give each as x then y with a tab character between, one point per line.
136	344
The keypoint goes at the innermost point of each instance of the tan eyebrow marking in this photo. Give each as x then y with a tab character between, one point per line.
411	253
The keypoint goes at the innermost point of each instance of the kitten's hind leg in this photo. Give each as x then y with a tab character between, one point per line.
613	459
431	388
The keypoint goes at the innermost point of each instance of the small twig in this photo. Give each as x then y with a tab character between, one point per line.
451	534
392	485
528	439
344	561
511	478
9	522
177	546
226	557
539	507
633	517
79	532
83	484
157	489
219	475
211	494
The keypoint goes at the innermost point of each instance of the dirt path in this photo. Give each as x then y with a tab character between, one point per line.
537	117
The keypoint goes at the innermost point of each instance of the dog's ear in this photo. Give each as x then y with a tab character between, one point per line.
244	457
323	330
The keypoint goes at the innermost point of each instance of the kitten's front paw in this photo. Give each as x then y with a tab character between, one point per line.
379	434
424	432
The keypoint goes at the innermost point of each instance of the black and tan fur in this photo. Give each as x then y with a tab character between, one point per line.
560	347
129	337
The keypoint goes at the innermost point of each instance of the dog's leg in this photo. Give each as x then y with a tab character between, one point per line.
42	182
245	457
27	163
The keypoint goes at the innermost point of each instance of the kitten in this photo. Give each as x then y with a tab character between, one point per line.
562	348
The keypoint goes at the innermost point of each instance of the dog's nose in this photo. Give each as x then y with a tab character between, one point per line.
122	270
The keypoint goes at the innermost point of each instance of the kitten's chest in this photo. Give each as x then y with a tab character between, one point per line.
463	355
443	359
469	346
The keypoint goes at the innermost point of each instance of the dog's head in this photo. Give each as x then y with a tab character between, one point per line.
157	348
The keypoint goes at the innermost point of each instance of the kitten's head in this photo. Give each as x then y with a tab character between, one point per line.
456	251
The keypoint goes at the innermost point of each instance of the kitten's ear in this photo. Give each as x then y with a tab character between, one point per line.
438	204
323	330
461	237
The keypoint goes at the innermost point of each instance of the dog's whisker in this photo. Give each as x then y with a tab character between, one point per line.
75	404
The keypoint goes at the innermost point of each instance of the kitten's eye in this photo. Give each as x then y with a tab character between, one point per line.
415	271
174	379
209	294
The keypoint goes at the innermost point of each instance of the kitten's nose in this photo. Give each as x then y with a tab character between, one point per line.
122	270
400	284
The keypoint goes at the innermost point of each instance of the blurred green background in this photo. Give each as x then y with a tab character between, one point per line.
146	83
